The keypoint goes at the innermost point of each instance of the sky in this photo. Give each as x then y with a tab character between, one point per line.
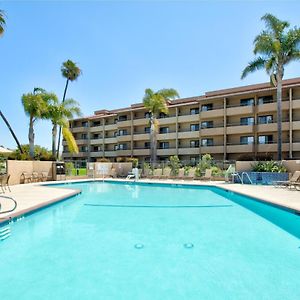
124	47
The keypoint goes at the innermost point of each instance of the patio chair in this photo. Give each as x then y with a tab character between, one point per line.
191	175
289	183
207	175
26	177
35	177
4	182
44	176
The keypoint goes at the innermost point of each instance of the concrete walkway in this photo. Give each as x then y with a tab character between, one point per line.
31	197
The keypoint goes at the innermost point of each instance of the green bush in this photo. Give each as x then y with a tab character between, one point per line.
186	170
205	163
269	166
134	161
174	165
69	168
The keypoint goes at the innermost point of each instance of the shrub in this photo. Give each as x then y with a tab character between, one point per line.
134	161
69	168
103	159
186	170
174	165
269	166
204	163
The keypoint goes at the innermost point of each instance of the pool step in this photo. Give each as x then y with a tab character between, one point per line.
4	233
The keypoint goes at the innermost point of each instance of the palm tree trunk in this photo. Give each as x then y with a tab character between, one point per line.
59	134
153	141
54	135
11	131
31	138
279	116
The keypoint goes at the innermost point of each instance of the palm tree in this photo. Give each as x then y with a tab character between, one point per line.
2	25
71	72
156	103
59	114
35	106
275	47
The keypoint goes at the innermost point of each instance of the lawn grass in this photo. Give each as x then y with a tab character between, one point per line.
81	172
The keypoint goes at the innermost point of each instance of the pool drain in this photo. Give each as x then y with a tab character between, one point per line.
138	246
188	245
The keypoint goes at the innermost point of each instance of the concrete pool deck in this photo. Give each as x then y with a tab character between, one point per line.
31	197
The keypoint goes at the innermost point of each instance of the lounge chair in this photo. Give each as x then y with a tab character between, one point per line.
207	175
26	177
4	182
35	177
294	180
191	175
44	176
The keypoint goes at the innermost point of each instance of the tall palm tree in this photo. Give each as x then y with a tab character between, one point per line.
2	25
59	114
275	47
35	106
156	103
71	72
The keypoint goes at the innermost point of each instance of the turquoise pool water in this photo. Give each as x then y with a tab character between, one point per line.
141	241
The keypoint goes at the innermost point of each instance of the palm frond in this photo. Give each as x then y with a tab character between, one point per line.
70	70
168	94
71	142
2	22
275	25
256	64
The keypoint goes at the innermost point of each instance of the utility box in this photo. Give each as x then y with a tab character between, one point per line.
59	171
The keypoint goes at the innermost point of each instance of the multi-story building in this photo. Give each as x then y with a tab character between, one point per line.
228	124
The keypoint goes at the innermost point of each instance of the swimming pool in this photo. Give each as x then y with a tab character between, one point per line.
153	241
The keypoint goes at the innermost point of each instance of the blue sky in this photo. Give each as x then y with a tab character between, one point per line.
124	47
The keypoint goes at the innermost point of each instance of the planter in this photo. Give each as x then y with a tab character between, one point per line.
266	178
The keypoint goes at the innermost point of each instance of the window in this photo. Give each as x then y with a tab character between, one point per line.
207	142
96	148
164	130
194	127
193	160
122	132
84	136
116	147
164	145
96	136
265	119
194	111
247	102
162	115
96	123
265	99
115	133
122	147
207	124
147	115
147	145
247	121
122	118
246	140
85	124
147	129
206	107
194	144
83	149
265	139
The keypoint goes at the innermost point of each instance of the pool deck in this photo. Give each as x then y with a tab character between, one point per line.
31	197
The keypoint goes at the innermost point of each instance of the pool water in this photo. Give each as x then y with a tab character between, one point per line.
150	241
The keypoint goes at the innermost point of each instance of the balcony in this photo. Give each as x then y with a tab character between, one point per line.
188	118
110	140
79	129
188	151
239	129
96	128
216	130
124	138
296	145
110	127
110	153
188	134
272	147
125	123
296	125
167	120
272	126
296	104
166	152
217	111
166	136
123	152
240	110
78	142
141	121
239	148
96	141
212	149
141	152
141	136
271	107
96	153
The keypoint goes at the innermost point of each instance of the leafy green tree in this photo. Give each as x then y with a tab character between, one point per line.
71	72
174	165
156	103
35	106
2	25
59	114
275	47
40	153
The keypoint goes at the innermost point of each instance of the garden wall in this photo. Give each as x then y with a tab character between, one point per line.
291	165
15	168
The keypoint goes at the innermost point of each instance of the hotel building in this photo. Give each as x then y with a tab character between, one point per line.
229	124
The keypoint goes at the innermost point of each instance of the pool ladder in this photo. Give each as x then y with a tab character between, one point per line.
241	178
5	233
